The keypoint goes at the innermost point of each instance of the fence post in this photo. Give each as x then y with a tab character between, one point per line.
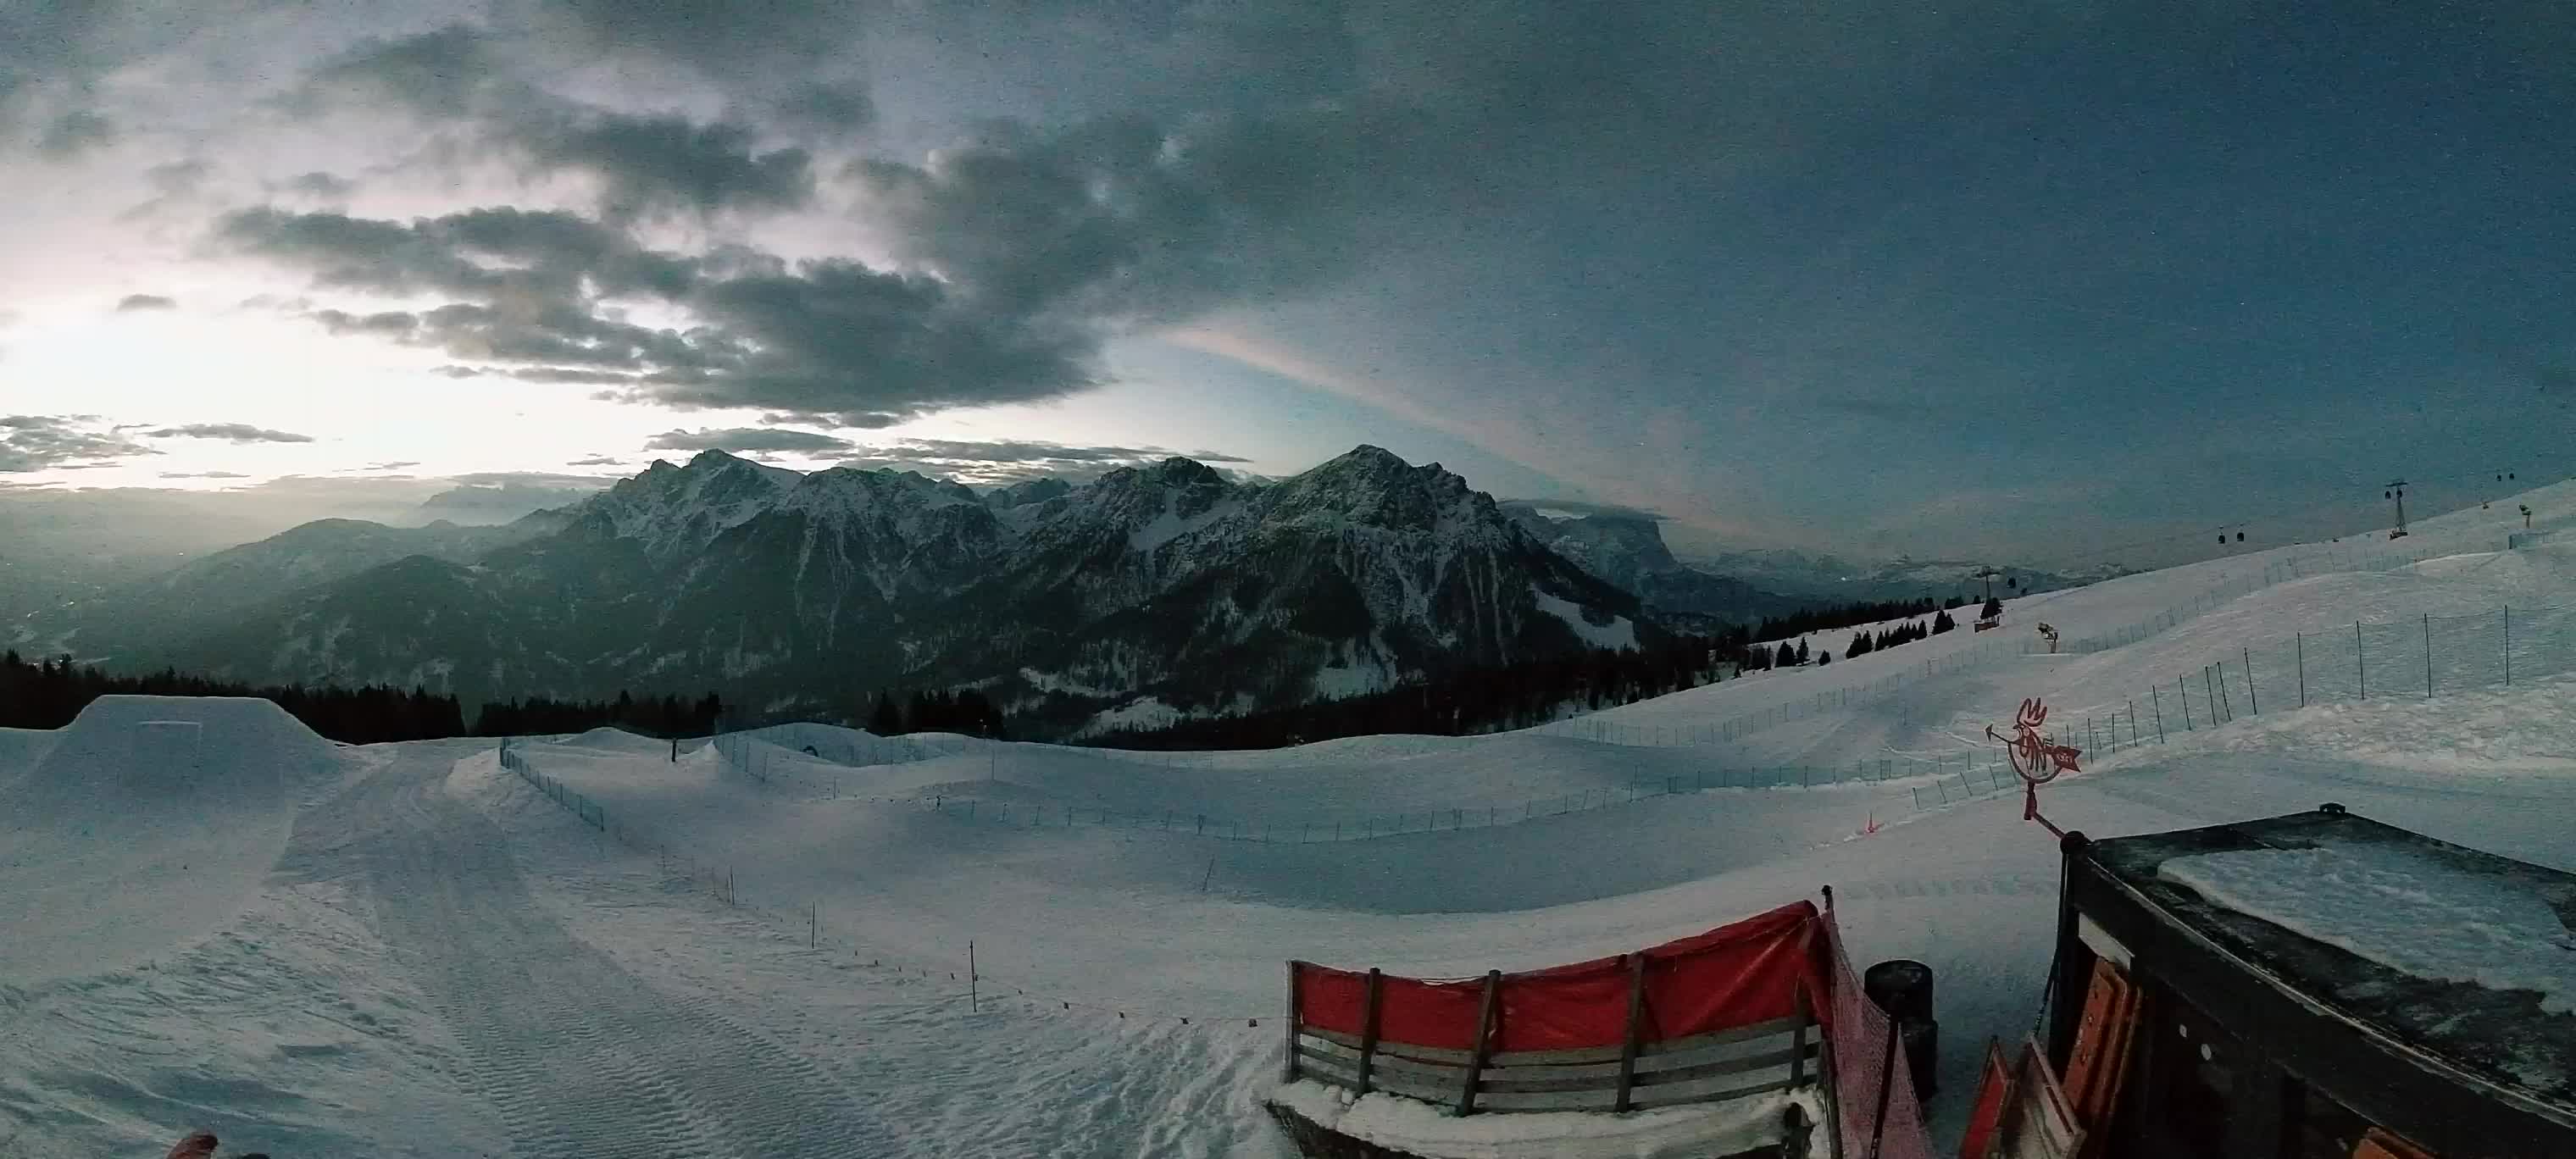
2508	645
1636	1019
2250	702
972	1001
2226	700
2133	723
1484	1042
2300	641
1368	1027
2428	655
2361	671
2156	701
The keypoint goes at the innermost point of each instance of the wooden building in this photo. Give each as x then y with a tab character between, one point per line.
2313	986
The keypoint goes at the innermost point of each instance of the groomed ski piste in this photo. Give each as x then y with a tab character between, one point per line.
211	918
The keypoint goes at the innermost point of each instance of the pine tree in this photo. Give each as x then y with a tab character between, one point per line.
886	720
1802	652
1859	646
1994	608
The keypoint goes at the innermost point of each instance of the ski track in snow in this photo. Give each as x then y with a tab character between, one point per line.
580	1058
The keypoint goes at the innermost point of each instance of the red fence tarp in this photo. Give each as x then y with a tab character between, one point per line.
1735	975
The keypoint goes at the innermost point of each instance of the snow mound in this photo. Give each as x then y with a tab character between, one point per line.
616	740
173	808
2399	911
21	748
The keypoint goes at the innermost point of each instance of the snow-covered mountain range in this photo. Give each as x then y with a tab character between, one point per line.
1147	594
1629	552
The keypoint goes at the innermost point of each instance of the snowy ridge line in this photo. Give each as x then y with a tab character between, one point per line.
1835	699
725	888
2419	657
2273	574
1894	769
1733	728
2414	657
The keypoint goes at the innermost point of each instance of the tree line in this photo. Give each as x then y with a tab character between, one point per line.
48	693
665	717
963	710
1463	702
1807	621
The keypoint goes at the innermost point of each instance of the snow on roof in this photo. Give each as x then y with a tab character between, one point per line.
2386	906
2436	945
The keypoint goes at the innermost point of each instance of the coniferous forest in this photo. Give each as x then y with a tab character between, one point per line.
49	693
1476	700
663	717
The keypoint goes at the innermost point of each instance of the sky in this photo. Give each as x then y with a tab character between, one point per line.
2038	282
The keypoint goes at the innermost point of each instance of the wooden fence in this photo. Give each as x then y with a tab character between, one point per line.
1728	1064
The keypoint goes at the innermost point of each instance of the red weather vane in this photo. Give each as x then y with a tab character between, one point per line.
2037	760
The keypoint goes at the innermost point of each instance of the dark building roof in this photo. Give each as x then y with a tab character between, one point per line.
2500	1036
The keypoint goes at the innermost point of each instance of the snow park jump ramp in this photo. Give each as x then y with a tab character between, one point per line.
148	824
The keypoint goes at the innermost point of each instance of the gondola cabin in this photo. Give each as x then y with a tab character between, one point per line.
2313	986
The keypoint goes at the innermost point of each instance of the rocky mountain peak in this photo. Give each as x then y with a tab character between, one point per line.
1373	487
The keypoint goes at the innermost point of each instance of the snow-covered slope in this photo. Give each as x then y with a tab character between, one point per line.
444	957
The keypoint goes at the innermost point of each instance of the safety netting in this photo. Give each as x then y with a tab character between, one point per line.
1774	965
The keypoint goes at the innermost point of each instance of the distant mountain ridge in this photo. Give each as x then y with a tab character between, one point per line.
1817	577
1152	593
239	580
1629	552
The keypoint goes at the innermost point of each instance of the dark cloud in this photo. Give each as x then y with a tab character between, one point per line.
447	72
61	442
132	302
657	164
747	440
74	133
203	475
387	323
178	178
719	38
821	109
175	184
825	340
228	432
786	61
319	184
644	163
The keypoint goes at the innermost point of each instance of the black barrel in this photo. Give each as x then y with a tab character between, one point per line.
1922	1040
1902	987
